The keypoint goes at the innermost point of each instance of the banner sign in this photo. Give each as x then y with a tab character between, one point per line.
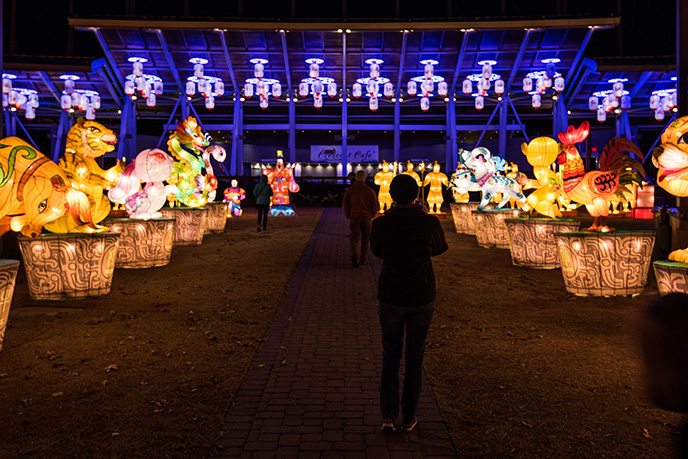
355	154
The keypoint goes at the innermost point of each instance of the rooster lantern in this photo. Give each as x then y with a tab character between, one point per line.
671	160
594	189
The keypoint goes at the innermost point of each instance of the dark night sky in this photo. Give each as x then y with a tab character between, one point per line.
648	28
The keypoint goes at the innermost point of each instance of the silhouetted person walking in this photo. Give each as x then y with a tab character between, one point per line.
360	206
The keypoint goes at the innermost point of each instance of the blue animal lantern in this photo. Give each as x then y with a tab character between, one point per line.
480	172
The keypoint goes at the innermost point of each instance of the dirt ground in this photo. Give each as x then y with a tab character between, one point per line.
520	367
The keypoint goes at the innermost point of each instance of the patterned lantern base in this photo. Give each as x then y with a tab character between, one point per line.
532	240
143	243
190	223
672	276
69	265
217	217
464	221
490	228
615	263
8	275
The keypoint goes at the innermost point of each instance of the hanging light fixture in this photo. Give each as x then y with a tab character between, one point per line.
208	86
607	100
316	84
538	82
424	85
483	82
149	86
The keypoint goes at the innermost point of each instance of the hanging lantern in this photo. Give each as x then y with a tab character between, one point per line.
547	82
559	84
210	102
69	86
665	104
373	103
151	100
618	88
276	89
158	87
467	86
303	89
248	90
613	101
486	84
137	68
263	103
388	89
219	88
317	87
332	89
140	83
601	114
673	99
411	88
258	70
84	103
479	102
90	113
33	100
203	86
374	70
593	103
5	100
65	101
427	87
6	85
317	100
198	70
129	88
536	101
626	102
261	88
424	104
487	71
429	71
314	70
95	100
21	101
606	104
190	88
442	88
30	113
527	84
540	84
76	99
373	87
654	101
357	90
659	114
499	87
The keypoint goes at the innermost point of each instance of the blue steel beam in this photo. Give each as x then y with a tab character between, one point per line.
487	125
574	64
170	60
459	61
517	60
397	102
53	90
589	67
345	114
518	119
169	121
290	96
452	145
21	125
109	57
237	106
641	82
100	66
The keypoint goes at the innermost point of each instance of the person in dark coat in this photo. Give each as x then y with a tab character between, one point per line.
360	206
263	192
405	238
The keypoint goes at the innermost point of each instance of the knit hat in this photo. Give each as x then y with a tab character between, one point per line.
360	176
403	189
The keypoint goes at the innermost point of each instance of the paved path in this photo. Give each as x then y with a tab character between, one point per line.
312	389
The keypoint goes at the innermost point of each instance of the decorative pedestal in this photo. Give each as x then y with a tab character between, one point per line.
217	217
143	243
490	229
672	276
606	264
190	223
8	275
281	211
69	265
464	222
532	240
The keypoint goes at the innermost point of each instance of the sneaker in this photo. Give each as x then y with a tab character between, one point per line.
388	425
408	426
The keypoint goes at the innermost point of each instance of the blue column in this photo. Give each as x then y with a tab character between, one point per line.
58	143
240	147
503	113
452	147
561	117
397	130
292	130
236	124
345	120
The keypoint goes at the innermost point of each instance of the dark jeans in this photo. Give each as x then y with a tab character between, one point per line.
393	319
262	214
360	231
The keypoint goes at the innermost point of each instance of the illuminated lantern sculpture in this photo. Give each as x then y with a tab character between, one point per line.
410	171
281	179
8	276
383	179
86	142
233	197
532	242
436	180
541	153
191	149
143	243
152	167
190	224
594	189
481	174
217	217
490	226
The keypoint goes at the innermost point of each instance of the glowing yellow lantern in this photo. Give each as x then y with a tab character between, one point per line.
435	179
143	243
462	214
383	179
217	217
69	265
8	276
672	276
190	224
605	263
532	240
490	226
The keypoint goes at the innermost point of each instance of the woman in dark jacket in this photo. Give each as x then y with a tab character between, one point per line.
263	192
406	238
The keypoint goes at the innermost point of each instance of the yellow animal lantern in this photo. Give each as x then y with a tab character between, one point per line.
435	179
383	179
671	160
541	153
86	141
35	191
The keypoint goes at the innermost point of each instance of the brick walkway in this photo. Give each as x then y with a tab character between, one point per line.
312	389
